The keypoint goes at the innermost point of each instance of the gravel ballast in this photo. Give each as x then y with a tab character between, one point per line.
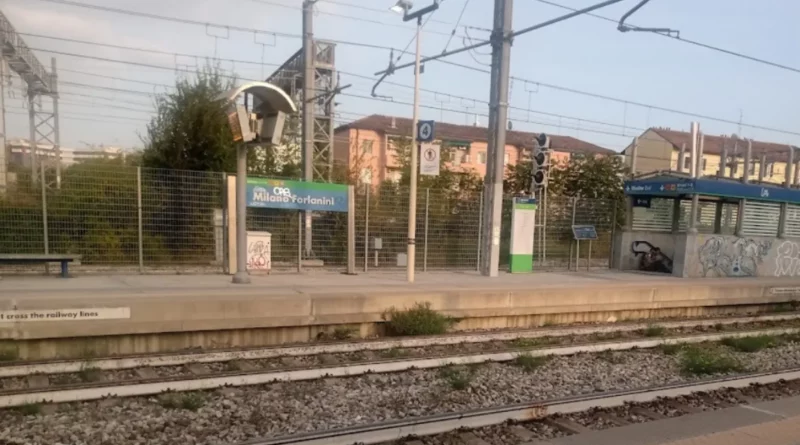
233	415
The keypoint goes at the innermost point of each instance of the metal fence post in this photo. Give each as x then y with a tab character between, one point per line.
425	245
480	230
351	230
300	220
366	227
139	211
45	235
574	206
613	236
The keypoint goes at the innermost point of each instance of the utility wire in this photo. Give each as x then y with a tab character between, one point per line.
206	24
520	79
460	16
681	39
349	17
86	73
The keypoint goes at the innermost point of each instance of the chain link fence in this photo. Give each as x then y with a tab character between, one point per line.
122	218
118	217
447	235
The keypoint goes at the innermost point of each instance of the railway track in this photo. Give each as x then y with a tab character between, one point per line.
92	383
541	420
17	369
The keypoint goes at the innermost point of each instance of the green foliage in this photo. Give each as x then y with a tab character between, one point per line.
592	177
457	377
9	353
707	361
344	332
672	348
29	409
190	130
190	401
654	331
751	344
90	374
394	353
529	363
418	320
532	342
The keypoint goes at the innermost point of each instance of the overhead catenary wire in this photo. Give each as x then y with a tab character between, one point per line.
684	40
447	62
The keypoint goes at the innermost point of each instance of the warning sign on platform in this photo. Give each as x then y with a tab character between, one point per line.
429	159
83	314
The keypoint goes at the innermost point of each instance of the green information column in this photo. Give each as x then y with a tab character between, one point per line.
523	222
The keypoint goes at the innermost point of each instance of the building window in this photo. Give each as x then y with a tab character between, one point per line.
467	158
366	175
482	157
687	164
395	175
769	169
366	147
506	158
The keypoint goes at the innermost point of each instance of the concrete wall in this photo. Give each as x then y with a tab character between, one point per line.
732	256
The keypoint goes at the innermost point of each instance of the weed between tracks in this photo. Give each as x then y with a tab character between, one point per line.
529	363
458	378
751	344
696	360
190	401
654	331
419	320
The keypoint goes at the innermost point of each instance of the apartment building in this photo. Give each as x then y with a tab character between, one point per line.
19	153
660	149
370	145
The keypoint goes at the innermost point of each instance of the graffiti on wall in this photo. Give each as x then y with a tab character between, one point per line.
787	260
722	256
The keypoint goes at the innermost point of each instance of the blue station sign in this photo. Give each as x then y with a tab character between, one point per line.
296	195
666	186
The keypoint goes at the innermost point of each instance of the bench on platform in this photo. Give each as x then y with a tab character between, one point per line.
40	258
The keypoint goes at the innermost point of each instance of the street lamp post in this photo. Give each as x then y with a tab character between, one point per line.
405	6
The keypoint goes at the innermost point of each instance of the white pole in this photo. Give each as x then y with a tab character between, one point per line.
411	252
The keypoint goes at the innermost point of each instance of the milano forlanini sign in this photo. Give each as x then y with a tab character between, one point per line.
296	195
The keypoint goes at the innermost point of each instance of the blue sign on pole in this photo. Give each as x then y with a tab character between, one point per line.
584	233
425	131
296	195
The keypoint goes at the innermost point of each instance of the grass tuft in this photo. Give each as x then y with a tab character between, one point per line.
90	374
458	378
751	344
705	361
29	409
529	363
419	320
654	330
671	348
190	401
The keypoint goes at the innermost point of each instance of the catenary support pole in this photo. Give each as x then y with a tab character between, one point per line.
411	247
498	110
307	124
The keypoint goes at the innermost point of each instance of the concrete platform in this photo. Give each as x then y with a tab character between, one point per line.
138	314
768	423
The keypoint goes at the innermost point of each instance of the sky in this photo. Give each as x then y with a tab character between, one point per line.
584	53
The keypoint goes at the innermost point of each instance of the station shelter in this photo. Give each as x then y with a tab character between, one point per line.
709	227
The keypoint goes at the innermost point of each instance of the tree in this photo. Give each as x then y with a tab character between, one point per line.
190	130
598	177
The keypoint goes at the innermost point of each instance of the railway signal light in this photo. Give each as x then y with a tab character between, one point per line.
541	161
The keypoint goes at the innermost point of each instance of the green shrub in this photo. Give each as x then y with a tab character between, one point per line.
90	374
672	348
29	409
529	363
704	361
458	378
654	331
190	401
750	344
419	320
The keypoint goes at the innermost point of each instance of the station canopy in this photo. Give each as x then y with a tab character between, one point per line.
679	186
